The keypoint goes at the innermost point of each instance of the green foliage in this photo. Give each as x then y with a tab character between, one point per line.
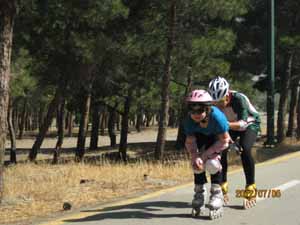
224	9
215	43
123	43
290	42
22	82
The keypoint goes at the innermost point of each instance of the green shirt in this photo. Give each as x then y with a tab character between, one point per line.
244	110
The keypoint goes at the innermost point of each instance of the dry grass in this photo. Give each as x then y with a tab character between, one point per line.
33	191
39	190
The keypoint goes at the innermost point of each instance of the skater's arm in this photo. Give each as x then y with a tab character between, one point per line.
237	125
222	143
244	119
241	125
191	147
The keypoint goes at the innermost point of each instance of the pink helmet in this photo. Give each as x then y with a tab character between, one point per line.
199	96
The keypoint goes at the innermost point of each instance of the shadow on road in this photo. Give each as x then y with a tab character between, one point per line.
143	210
237	207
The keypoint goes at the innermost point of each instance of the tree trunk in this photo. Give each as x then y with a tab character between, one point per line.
34	121
7	15
45	125
139	118
106	120
22	121
95	126
28	121
172	118
12	134
70	124
118	122
102	122
132	121
41	115
80	150
124	129
282	107
149	117
164	109
111	126
293	104
298	116
15	117
67	119
183	112
60	130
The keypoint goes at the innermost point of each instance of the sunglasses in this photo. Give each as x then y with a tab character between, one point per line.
198	109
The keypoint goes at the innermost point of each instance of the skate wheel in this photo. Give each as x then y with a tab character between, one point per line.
248	204
215	214
195	212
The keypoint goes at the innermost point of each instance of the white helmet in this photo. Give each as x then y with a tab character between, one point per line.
218	88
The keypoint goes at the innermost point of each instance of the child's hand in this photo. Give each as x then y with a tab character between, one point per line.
198	164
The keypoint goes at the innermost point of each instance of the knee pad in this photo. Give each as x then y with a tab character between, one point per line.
213	166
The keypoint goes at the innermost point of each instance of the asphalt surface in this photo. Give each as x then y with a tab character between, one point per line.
173	206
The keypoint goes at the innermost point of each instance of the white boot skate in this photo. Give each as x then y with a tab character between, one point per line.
216	202
198	200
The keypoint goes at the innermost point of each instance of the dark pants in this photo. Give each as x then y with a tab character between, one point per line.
205	142
247	139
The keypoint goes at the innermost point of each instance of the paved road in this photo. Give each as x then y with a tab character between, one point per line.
173	206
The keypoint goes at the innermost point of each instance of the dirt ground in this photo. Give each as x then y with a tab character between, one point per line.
138	142
147	135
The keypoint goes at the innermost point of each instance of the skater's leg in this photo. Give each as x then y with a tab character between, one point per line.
216	199
224	166
247	140
199	180
224	163
200	193
224	184
216	178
